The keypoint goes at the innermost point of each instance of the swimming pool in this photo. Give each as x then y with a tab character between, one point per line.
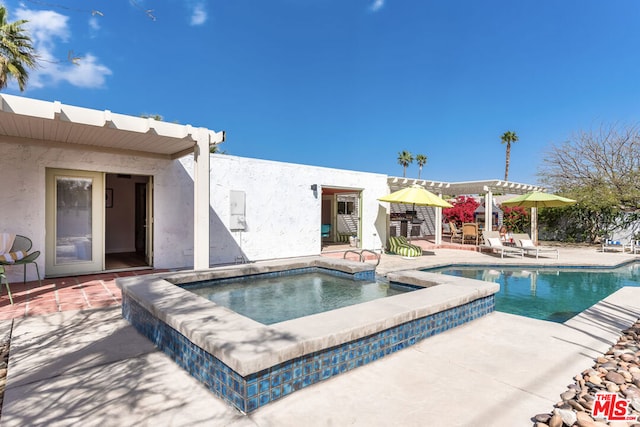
249	364
274	299
549	293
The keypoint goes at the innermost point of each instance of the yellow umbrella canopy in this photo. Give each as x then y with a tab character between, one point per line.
416	195
537	199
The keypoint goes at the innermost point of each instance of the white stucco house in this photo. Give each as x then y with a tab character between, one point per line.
86	185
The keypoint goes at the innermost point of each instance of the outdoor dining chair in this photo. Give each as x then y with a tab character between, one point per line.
23	244
470	233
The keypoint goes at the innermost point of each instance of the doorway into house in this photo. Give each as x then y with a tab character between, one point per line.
128	222
97	222
341	211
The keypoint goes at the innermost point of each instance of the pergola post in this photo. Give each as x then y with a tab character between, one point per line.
488	209
201	200
438	223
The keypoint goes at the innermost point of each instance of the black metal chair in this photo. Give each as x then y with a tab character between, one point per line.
24	244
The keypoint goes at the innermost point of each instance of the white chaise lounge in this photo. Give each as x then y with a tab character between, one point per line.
494	244
524	241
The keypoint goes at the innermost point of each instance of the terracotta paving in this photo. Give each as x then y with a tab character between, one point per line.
64	293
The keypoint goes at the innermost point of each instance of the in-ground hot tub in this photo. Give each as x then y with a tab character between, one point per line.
249	364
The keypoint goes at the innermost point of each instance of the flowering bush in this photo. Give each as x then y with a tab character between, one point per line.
462	210
516	218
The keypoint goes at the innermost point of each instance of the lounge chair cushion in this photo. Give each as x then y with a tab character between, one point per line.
527	244
494	241
11	257
400	246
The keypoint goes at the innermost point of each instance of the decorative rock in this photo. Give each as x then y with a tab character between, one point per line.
584	420
587	404
542	418
627	357
615	378
575	405
631	393
594	379
567	416
555	421
613	388
568	395
617	371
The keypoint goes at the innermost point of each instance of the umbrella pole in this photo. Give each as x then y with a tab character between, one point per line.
534	225
410	226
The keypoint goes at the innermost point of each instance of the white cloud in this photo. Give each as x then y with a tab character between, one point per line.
94	24
48	28
87	73
198	15
44	25
377	5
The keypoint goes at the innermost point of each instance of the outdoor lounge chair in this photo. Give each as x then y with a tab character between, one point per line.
616	245
494	244
400	246
456	235
19	255
524	241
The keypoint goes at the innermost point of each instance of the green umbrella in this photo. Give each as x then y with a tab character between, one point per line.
537	199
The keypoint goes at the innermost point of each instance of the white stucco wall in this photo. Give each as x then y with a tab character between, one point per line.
22	198
282	212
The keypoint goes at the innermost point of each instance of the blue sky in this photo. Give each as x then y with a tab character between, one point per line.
350	83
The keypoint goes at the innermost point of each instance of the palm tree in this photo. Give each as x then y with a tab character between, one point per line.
16	51
405	159
507	138
421	159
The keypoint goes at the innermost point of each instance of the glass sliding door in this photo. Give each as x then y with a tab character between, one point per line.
75	207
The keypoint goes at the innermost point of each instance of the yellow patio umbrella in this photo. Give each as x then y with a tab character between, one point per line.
416	195
537	199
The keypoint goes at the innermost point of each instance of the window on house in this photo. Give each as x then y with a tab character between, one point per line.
346	208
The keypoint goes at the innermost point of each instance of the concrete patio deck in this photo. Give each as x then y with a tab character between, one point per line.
90	367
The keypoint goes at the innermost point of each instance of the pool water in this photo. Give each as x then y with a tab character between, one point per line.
271	299
550	293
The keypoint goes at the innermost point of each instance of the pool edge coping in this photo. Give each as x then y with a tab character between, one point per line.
247	346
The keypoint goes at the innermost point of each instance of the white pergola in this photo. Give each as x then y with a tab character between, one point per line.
452	189
53	124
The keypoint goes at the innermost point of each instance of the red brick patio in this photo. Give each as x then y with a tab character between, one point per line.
64	293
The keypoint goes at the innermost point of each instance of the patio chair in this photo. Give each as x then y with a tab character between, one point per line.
456	235
524	241
19	255
470	233
494	244
400	246
616	245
